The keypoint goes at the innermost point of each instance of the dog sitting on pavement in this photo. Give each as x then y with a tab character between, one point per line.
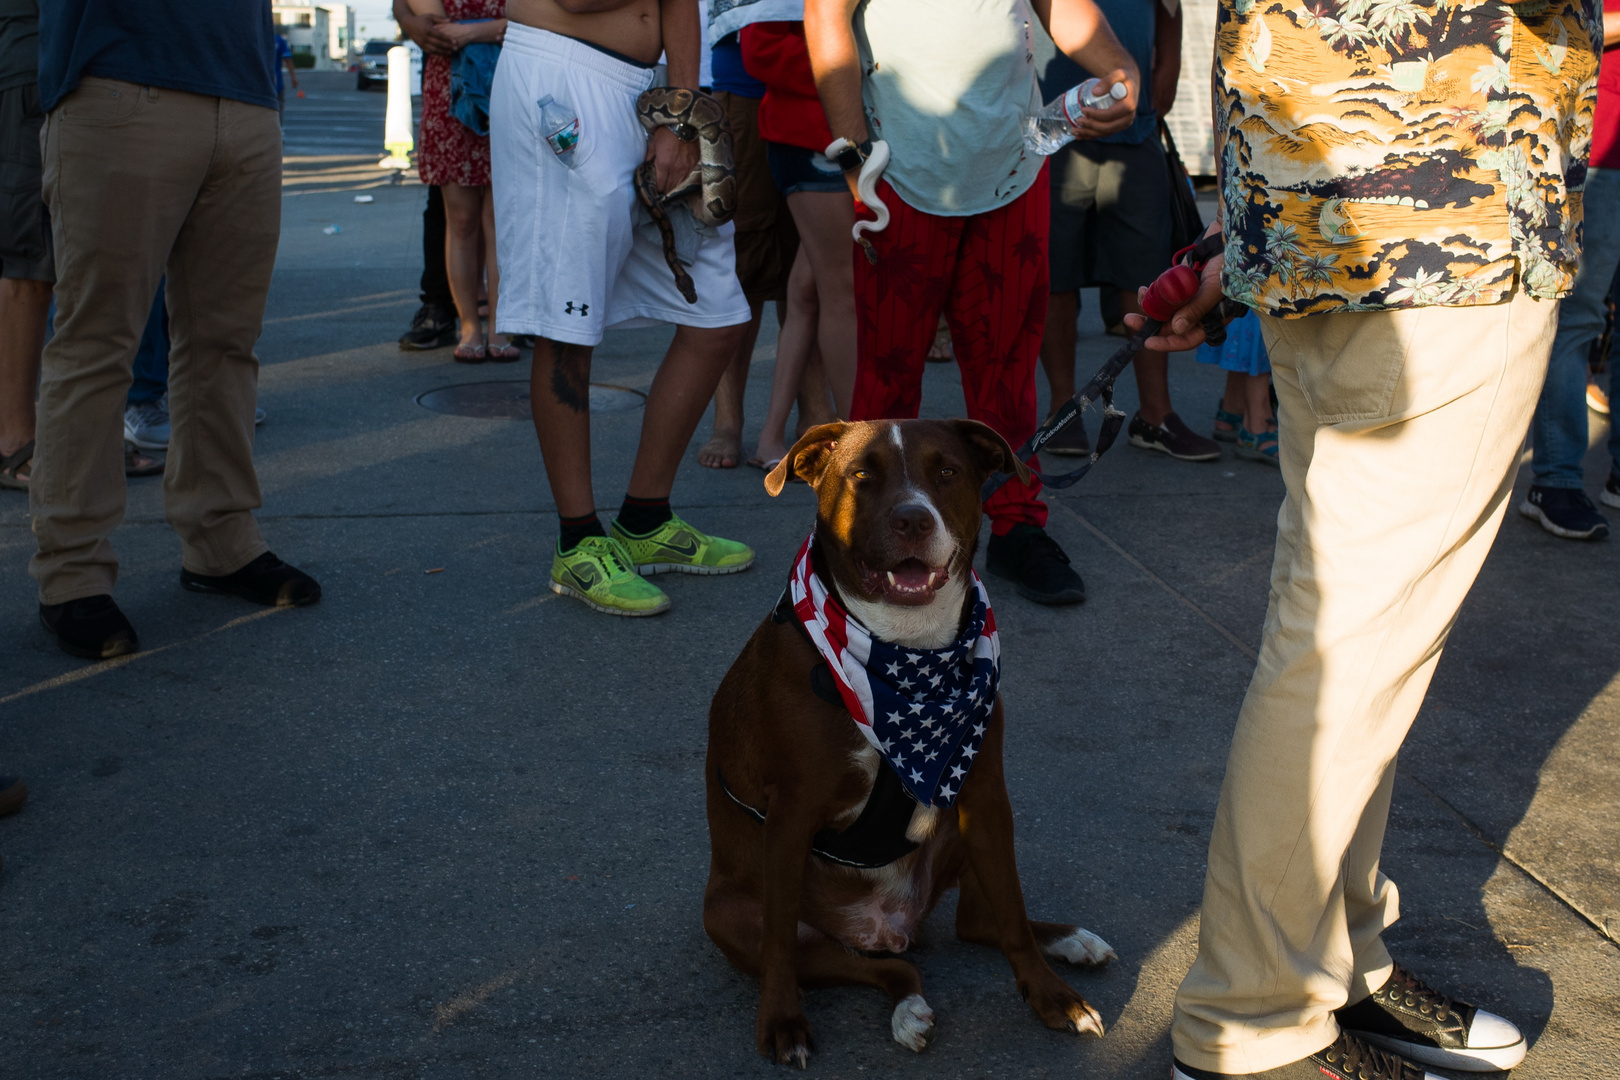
854	769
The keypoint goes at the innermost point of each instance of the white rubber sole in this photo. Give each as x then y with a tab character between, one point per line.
1491	1059
1609	498
568	590
1137	440
1534	512
649	569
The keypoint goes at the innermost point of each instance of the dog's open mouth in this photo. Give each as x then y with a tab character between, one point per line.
910	581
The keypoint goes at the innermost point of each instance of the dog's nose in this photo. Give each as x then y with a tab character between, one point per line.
911	521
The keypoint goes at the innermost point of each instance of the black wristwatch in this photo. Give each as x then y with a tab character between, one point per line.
847	155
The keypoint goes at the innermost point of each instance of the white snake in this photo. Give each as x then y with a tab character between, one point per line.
866	184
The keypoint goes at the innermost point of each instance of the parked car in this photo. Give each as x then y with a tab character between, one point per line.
373	66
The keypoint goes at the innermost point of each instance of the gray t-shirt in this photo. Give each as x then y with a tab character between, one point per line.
947	83
19	43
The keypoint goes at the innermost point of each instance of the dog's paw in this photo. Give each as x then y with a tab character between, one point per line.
785	1039
1081	948
1061	1009
912	1023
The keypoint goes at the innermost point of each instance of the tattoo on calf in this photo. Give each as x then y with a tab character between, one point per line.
571	375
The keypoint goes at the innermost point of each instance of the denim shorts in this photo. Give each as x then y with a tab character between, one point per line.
796	169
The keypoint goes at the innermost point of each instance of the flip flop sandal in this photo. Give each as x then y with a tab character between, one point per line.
1235	420
504	354
10	464
133	456
762	465
471	354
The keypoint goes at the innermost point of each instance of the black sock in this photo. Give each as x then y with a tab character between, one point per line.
576	529
638	517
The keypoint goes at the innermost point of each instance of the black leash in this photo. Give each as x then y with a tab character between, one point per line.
1101	386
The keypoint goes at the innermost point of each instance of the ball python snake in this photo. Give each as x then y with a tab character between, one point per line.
710	189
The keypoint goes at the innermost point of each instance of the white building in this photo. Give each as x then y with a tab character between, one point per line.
324	31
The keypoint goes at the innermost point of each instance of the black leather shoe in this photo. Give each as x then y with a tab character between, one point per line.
13	793
1034	563
91	627
432	328
1425	1025
266	580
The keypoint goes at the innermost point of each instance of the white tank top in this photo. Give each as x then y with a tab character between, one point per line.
947	83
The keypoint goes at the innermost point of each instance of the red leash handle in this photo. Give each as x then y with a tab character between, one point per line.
1170	293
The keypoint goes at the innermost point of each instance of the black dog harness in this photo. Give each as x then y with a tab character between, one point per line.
876	838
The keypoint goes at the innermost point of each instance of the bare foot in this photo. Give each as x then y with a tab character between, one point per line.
722	451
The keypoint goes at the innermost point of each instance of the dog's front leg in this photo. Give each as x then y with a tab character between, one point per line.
782	1032
991	910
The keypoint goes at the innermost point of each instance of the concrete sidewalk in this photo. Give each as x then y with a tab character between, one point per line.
446	824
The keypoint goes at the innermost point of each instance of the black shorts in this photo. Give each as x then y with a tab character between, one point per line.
25	224
1110	215
796	169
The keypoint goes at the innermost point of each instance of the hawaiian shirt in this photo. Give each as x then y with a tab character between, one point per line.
1402	153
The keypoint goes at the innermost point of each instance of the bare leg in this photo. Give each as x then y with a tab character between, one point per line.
724	448
1257	414
1152	371
1058	342
463	230
815	402
824	219
492	269
23	308
560	399
794	343
680	392
1234	399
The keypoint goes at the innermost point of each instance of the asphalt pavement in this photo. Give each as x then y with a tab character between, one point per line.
446	824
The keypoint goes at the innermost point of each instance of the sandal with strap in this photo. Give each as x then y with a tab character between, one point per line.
1232	420
504	354
12	465
1260	446
471	354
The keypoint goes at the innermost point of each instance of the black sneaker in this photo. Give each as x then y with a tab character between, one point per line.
1425	1025
90	627
1565	512
1610	495
431	328
1036	566
1174	438
1071	441
1348	1058
266	580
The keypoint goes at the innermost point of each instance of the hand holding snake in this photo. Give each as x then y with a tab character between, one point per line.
709	187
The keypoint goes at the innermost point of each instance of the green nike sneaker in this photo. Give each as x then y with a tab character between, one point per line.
600	572
677	546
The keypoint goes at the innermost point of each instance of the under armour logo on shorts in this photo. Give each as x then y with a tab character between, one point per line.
584	309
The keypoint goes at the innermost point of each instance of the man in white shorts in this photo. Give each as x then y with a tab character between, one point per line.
578	255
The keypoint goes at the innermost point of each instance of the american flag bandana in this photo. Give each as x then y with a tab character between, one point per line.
924	710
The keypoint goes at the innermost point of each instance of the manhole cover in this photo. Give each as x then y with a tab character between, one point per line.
510	400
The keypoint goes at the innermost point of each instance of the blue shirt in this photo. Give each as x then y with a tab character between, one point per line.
222	48
1133	25
726	66
283	52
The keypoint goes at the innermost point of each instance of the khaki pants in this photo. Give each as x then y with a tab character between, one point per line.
139	180
1401	431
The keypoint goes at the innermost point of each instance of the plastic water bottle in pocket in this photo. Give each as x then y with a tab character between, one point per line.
561	128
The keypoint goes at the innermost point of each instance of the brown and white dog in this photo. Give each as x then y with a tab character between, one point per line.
789	776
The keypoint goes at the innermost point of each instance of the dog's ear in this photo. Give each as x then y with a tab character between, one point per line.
992	453
808	457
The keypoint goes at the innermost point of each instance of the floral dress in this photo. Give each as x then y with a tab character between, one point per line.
448	152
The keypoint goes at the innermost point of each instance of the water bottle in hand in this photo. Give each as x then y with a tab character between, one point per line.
1054	127
560	127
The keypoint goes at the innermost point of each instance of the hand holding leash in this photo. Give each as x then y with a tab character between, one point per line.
1177	297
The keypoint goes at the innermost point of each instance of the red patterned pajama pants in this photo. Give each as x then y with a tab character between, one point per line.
988	273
